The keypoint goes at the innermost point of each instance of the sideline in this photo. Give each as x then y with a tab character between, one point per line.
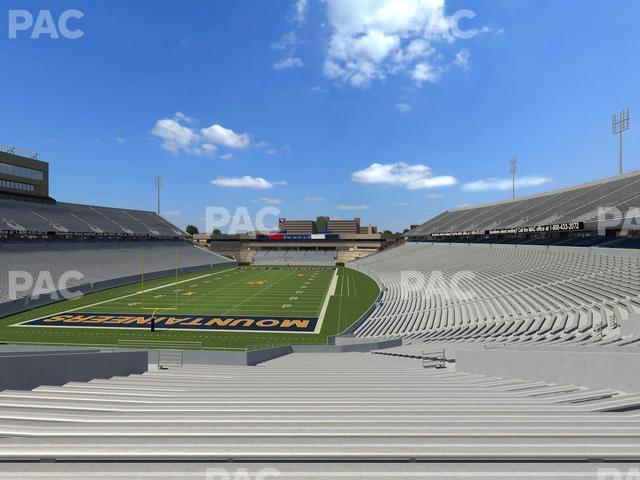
330	293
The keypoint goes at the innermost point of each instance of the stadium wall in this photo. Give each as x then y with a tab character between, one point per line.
593	368
227	357
26	370
27	303
348	344
254	357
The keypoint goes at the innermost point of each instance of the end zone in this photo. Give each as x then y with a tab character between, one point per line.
176	322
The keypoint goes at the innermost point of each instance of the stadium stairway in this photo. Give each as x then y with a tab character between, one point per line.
353	415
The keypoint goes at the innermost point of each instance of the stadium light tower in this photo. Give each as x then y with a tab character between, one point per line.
619	125
513	167
158	182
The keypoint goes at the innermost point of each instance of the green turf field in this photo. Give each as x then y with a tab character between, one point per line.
333	298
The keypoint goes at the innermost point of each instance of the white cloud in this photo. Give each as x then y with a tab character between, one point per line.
352	207
435	195
286	41
205	149
243	182
289	41
271	151
220	135
313	199
271	201
226	156
300	10
461	59
280	182
117	139
502	184
181	117
178	137
401	174
403	107
172	213
175	137
424	72
371	39
289	62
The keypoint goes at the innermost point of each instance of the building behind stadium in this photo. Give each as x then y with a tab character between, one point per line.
349	239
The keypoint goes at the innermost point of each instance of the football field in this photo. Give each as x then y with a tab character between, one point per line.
235	307
233	292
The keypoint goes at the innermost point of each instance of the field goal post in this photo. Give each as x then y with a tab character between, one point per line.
154	309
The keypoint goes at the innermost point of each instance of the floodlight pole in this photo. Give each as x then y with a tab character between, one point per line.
619	125
158	182
620	155
513	167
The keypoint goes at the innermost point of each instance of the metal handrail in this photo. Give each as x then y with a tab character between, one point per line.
440	359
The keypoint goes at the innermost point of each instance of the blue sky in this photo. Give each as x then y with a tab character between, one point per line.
380	109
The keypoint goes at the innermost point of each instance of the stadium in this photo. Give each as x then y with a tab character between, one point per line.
390	319
426	344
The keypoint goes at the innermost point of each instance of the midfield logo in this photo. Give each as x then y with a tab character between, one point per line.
177	322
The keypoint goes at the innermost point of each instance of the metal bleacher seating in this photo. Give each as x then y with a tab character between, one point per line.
74	218
103	244
276	258
503	293
305	415
97	260
574	204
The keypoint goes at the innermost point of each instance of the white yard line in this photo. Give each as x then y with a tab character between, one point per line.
258	293
210	293
130	295
330	293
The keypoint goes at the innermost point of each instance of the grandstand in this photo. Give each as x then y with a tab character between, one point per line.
306	415
102	263
515	293
274	258
18	217
568	209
